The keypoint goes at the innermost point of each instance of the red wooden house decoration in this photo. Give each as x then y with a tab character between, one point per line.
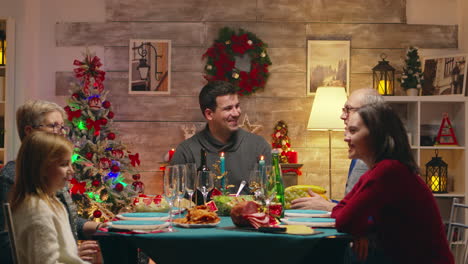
446	136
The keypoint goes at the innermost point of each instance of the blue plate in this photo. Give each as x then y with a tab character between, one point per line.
144	216
131	222
306	213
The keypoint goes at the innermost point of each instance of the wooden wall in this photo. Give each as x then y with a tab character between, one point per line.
151	125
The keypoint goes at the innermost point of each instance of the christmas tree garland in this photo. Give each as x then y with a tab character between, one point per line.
221	60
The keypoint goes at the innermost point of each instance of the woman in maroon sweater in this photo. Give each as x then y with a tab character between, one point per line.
390	199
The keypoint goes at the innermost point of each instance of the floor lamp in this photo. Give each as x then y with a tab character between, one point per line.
325	116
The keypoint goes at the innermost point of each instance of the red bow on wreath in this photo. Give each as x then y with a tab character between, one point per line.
134	159
77	187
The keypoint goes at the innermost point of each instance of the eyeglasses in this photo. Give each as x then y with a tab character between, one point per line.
348	109
57	128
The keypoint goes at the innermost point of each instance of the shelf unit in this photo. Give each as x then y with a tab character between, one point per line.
422	116
3	84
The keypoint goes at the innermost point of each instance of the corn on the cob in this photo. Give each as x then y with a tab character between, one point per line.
298	191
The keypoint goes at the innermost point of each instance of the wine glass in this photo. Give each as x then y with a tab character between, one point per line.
269	186
171	183
205	183
181	175
255	183
190	180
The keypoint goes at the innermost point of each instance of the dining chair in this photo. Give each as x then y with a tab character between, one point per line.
456	231
11	232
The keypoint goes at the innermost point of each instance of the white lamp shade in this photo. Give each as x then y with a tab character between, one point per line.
326	109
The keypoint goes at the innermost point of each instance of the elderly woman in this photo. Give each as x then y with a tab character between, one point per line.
390	199
39	115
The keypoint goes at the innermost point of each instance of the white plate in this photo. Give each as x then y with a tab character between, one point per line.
196	225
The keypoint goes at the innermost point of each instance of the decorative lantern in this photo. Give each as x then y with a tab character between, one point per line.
436	174
2	47
383	76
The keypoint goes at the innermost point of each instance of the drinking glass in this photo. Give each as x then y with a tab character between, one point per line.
181	175
255	183
205	183
269	186
190	180
171	181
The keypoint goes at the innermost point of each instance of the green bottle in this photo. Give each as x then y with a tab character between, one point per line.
279	180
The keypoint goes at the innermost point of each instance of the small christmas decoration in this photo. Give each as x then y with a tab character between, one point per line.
252	128
446	136
412	76
280	140
101	163
221	60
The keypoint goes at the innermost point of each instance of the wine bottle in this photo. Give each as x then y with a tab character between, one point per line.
202	171
279	180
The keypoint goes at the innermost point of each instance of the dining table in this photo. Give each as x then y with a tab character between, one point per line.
224	243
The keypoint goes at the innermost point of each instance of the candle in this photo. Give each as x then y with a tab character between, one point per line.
292	156
437	184
171	153
222	168
261	163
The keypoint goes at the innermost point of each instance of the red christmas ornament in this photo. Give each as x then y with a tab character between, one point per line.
103	121
105	163
96	183
115	168
110	115
94	103
97	214
119	187
89	155
111	136
138	186
106	104
76	96
136	177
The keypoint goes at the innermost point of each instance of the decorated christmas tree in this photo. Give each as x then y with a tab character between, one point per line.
412	76
102	164
280	140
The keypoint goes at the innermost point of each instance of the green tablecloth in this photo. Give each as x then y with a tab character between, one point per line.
225	246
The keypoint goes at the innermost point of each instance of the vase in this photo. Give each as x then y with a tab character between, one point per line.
412	92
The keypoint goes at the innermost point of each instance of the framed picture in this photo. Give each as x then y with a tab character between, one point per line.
327	64
444	75
149	66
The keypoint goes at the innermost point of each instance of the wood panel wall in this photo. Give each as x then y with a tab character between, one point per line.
151	125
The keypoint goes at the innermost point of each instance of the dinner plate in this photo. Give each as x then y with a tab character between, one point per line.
196	225
312	222
138	225
144	216
306	213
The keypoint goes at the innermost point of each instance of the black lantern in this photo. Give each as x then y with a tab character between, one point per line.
143	67
2	47
383	76
436	174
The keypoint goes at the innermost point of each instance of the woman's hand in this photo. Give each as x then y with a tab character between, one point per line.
87	250
314	202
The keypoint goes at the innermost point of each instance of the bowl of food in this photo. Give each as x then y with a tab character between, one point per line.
224	203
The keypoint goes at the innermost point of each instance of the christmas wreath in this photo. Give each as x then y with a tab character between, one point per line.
221	60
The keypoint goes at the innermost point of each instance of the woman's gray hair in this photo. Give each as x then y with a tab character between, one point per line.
32	114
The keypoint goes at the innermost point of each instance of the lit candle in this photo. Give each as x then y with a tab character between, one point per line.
171	153
385	88
222	168
435	183
261	163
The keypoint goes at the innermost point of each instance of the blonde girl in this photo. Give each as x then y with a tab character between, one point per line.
43	232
